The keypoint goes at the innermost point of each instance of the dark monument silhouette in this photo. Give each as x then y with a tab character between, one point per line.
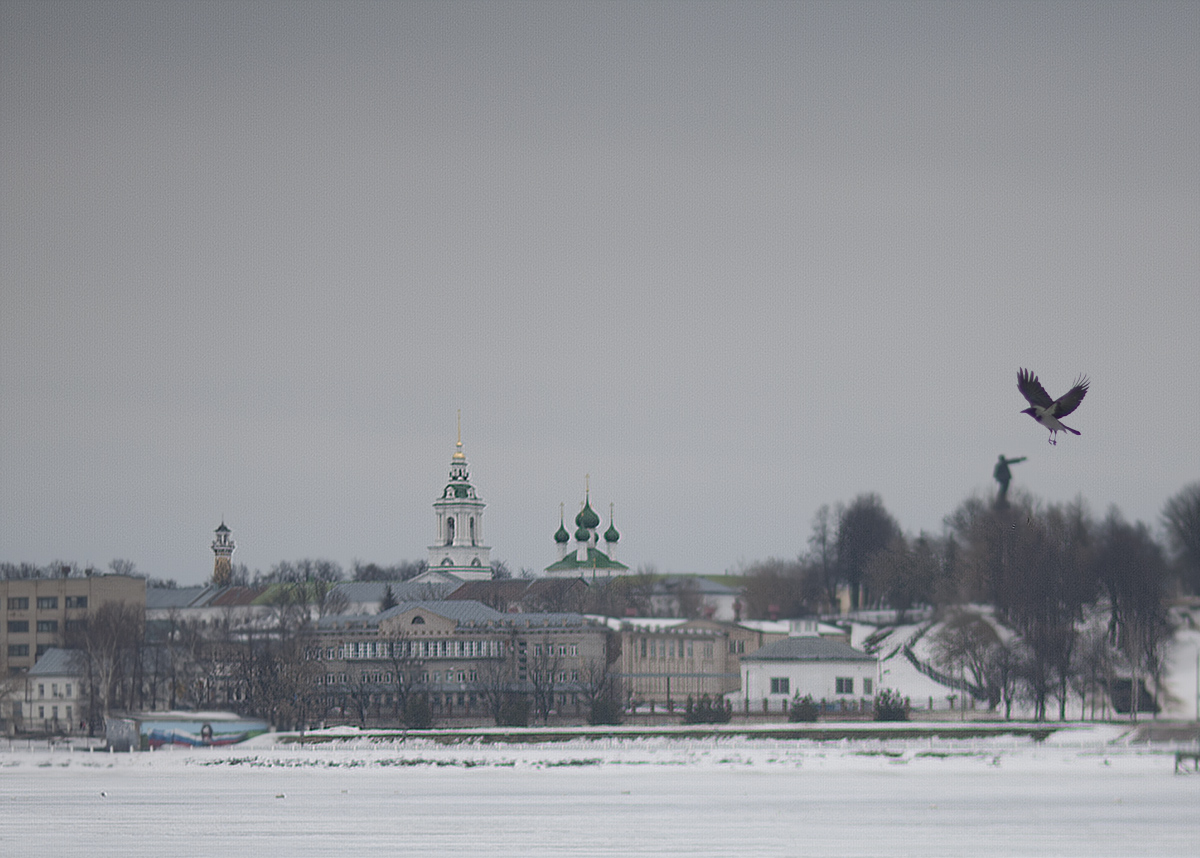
1003	476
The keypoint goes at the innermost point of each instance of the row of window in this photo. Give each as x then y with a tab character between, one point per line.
655	648
438	648
68	713
17	627
842	685
53	690
46	603
563	649
22	650
385	678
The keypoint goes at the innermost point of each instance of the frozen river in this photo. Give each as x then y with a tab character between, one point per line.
605	798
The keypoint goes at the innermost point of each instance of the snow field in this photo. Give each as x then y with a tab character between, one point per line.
1079	793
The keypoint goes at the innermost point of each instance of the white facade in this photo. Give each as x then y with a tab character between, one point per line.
801	666
458	548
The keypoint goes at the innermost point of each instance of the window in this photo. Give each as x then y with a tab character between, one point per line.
708	651
68	694
18	603
780	685
47	625
75	625
643	647
16	627
689	647
47	603
868	685
15	650
41	690
76	601
845	685
574	649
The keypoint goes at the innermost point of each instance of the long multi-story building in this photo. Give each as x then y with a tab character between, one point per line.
461	655
39	613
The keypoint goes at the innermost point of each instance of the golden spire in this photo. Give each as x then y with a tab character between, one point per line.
458	453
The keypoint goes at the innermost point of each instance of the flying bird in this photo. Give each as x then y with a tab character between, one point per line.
1045	410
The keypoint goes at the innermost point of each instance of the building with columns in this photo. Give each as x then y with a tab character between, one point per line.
459	549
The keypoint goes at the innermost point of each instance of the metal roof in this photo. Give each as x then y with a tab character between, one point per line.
58	662
808	649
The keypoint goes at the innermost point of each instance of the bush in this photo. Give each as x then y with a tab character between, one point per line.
803	709
707	710
417	714
514	711
606	710
890	707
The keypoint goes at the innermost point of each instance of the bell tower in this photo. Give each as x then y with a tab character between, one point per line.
222	547
458	547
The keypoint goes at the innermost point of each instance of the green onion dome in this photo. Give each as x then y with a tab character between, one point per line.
587	516
611	534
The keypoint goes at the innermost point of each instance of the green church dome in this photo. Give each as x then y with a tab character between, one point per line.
587	516
561	534
611	534
583	534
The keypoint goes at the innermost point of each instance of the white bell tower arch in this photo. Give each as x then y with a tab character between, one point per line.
458	544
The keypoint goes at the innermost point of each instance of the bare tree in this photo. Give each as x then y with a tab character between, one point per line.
1133	571
110	641
406	672
1181	515
822	554
122	567
542	667
865	528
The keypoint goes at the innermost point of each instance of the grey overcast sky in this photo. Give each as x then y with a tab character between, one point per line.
733	260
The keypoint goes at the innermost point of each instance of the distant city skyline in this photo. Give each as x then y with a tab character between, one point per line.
733	260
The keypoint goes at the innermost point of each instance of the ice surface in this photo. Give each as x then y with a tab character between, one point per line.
1083	792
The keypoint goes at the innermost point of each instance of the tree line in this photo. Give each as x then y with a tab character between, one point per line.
1086	596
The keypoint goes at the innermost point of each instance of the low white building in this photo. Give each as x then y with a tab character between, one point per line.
53	694
807	664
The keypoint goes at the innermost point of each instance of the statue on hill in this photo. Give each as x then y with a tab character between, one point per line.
1003	476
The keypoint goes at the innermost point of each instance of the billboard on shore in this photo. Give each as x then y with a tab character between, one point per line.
150	731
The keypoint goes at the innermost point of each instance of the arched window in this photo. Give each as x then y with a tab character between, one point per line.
472	530
418	620
450	530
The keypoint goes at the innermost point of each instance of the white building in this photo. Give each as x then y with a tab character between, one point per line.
807	664
53	694
459	549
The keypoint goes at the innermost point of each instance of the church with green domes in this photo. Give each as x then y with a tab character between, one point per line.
586	560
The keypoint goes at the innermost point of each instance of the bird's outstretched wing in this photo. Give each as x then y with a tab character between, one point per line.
1033	391
1070	400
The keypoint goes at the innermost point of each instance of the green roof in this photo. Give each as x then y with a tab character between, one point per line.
596	559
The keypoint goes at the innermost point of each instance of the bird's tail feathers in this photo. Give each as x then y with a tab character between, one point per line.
1072	431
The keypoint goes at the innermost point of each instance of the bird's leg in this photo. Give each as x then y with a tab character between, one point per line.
1052	441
